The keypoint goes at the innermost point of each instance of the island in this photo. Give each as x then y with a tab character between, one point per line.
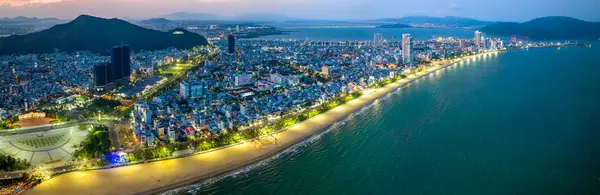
553	27
394	26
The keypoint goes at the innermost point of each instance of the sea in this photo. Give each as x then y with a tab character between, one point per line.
519	122
367	33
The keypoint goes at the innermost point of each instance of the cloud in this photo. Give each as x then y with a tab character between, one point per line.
455	7
18	3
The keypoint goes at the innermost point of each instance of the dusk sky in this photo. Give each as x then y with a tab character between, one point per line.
496	10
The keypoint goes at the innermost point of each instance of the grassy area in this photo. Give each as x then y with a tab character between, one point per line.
102	106
173	69
83	126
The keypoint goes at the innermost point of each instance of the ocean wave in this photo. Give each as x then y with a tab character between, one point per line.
192	189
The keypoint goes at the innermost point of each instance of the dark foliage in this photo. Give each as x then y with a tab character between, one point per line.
96	144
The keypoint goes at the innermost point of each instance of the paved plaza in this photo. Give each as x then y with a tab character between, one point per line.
46	149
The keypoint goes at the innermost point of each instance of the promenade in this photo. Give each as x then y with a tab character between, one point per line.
159	176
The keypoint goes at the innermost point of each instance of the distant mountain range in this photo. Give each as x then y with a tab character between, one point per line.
394	26
156	21
97	35
449	21
242	17
553	27
25	20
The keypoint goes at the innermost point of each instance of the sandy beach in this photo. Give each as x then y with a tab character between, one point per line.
161	176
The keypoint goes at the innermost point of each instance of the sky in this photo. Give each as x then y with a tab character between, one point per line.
491	10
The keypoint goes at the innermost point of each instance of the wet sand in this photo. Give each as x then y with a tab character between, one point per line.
161	176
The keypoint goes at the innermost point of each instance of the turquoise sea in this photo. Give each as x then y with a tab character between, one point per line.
520	122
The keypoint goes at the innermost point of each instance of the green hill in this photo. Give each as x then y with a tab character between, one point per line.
98	35
442	21
553	27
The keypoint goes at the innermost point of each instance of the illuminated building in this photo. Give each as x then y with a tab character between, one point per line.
325	70
406	49
477	39
242	79
190	90
377	39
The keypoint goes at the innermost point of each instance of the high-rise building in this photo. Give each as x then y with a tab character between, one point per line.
325	70
242	79
460	43
242	109
493	44
121	62
190	89
118	70
231	44
477	39
117	62
483	43
377	39
110	73
100	75
126	62
406	49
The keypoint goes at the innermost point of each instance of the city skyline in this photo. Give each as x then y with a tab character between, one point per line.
336	96
304	9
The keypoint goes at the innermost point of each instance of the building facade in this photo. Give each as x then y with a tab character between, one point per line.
377	39
406	49
230	44
477	39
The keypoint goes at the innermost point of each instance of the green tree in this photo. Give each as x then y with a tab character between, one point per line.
83	126
9	163
96	144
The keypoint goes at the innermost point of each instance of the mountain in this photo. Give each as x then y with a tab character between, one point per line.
97	35
449	21
156	21
260	17
213	17
191	16
394	26
552	27
26	20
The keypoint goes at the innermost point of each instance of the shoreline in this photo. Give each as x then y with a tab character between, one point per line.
161	176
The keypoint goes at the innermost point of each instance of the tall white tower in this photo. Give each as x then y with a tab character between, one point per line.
477	39
377	39
406	49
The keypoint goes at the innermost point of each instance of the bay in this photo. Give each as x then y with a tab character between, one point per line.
366	34
520	122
